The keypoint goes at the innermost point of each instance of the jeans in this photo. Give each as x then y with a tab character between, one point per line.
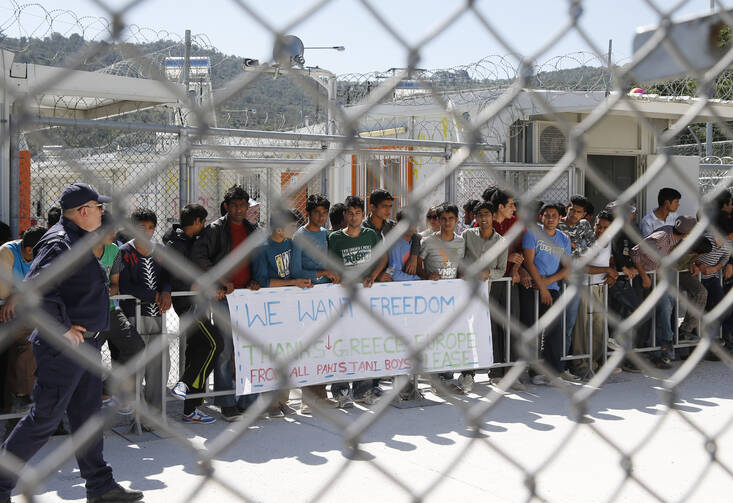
571	316
550	340
223	369
624	299
715	295
698	295
665	309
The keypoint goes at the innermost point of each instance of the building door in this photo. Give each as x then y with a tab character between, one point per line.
617	169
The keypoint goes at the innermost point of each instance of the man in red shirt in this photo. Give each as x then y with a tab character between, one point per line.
217	240
504	219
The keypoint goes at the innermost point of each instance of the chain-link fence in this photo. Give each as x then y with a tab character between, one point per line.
143	118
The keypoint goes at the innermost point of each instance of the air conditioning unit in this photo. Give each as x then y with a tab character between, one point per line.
536	142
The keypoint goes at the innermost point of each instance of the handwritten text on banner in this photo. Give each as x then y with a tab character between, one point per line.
355	346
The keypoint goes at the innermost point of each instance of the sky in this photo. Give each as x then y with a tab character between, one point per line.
526	25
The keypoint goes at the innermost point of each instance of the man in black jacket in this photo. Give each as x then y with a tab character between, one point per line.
216	241
203	343
79	303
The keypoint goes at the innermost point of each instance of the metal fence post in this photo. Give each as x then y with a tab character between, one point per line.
14	179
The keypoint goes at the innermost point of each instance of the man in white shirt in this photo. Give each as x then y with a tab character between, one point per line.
600	271
665	214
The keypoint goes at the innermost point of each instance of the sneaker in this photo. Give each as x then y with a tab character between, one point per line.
662	364
179	390
287	410
616	371
448	386
666	354
377	391
198	417
368	398
275	413
344	400
126	410
110	403
569	376
612	344
540	380
305	409
518	386
465	381
231	414
631	367
688	337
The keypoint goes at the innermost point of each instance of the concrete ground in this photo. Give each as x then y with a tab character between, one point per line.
430	451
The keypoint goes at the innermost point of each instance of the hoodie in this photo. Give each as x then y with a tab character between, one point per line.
177	240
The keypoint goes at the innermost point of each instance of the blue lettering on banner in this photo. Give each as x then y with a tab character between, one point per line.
251	320
315	310
405	305
265	318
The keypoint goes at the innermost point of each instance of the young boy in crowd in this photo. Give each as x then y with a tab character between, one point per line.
353	247
662	241
381	203
336	217
665	213
203	342
310	266
18	373
440	256
306	265
576	225
400	253
271	269
218	239
433	224
600	271
143	277
544	250
469	214
478	241
123	341
711	267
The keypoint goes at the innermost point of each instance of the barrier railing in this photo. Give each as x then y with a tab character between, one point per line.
507	334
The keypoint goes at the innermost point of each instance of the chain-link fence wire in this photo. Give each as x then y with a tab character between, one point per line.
285	188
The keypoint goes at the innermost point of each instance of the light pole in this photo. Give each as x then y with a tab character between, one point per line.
288	53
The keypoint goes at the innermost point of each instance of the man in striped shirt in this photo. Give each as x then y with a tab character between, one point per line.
662	241
711	267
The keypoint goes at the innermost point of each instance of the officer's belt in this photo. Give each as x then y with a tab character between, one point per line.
91	335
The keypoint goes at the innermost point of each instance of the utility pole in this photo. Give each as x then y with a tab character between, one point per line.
184	158
709	125
608	82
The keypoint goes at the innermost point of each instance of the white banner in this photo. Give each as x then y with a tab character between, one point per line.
355	346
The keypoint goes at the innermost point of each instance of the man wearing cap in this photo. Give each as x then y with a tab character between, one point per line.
661	241
80	303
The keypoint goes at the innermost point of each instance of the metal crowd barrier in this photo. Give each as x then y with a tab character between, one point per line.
172	337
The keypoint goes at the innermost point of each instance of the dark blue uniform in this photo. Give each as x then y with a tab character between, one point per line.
62	385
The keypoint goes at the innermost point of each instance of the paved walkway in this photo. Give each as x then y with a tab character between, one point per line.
290	460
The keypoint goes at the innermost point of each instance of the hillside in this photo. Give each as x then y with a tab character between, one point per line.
270	104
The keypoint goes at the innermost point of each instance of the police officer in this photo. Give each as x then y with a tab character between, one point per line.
80	303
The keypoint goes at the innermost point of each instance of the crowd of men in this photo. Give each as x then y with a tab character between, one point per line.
535	264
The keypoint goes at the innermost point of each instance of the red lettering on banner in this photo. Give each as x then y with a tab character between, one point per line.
259	375
299	372
397	364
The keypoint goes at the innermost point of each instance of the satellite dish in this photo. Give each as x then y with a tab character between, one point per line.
288	51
